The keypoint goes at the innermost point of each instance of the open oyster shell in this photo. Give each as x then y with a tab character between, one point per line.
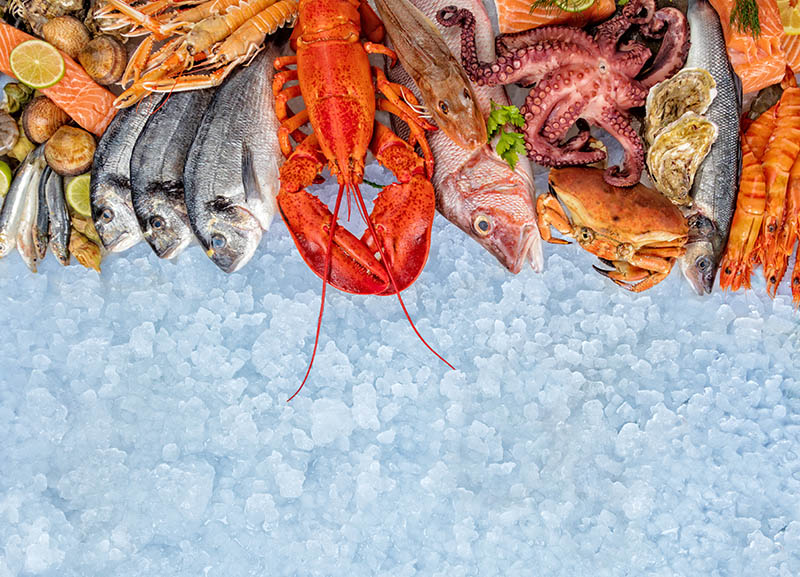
691	89
676	154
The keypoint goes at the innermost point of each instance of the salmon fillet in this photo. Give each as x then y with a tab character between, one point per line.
759	62
516	15
791	47
86	102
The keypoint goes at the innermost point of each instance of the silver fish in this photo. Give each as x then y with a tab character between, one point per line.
14	205
26	231
59	216
231	174
717	181
110	188
477	190
157	171
41	228
443	85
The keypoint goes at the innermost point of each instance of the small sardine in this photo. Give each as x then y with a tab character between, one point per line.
26	231
477	190
232	169
717	181
14	205
41	228
444	88
157	166
59	215
110	188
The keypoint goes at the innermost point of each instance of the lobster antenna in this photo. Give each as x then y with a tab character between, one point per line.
328	258
362	208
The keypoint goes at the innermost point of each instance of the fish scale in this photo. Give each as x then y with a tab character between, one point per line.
717	180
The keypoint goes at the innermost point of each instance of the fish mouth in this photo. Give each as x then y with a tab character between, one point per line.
527	239
110	245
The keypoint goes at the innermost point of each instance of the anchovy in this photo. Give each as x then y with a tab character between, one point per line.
110	188
26	231
59	216
11	213
717	181
231	174
157	166
41	228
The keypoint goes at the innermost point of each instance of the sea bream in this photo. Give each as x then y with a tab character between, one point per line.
477	190
16	199
110	188
717	180
157	166
232	169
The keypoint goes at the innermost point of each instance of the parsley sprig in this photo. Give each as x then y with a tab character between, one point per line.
510	144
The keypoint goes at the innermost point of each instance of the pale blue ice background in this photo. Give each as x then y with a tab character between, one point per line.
587	432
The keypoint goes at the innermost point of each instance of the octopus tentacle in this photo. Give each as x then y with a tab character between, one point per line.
674	48
581	139
506	44
538	105
631	60
618	125
608	34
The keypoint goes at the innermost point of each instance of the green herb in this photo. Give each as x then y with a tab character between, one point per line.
372	184
744	17
510	144
565	5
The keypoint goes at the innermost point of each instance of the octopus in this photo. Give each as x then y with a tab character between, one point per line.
576	75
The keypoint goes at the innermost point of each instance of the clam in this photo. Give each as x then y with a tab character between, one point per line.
691	89
66	33
104	59
41	118
70	151
677	153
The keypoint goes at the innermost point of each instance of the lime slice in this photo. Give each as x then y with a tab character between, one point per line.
77	195
37	64
5	178
574	5
790	16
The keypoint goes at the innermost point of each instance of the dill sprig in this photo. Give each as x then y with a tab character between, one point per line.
744	17
548	5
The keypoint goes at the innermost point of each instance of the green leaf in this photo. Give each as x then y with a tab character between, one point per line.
510	146
497	118
515	116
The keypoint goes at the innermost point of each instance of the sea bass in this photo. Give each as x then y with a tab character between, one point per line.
444	86
16	199
231	174
477	190
157	171
110	188
59	216
717	181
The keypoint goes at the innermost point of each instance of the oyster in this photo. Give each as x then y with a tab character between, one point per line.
691	89
676	154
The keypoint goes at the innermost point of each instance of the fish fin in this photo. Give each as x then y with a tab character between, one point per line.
252	190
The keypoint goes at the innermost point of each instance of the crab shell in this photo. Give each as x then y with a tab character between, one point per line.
635	229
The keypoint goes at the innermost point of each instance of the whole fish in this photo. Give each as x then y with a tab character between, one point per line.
157	171
717	181
477	190
41	228
59	216
110	187
444	87
231	174
15	201
26	234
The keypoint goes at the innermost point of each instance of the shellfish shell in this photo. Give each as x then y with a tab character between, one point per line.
66	33
41	118
104	59
691	89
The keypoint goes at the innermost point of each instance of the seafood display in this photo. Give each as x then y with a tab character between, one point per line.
476	190
636	231
578	75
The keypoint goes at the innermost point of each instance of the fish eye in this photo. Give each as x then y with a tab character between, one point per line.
218	241
157	222
482	224
107	215
466	94
703	263
443	106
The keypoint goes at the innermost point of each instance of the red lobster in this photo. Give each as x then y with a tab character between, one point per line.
338	87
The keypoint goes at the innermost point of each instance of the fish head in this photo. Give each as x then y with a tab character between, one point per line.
164	224
494	205
451	102
113	217
229	234
699	264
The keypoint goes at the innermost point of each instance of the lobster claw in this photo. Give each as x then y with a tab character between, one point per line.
401	219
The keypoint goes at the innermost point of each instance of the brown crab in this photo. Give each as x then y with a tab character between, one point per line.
637	231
